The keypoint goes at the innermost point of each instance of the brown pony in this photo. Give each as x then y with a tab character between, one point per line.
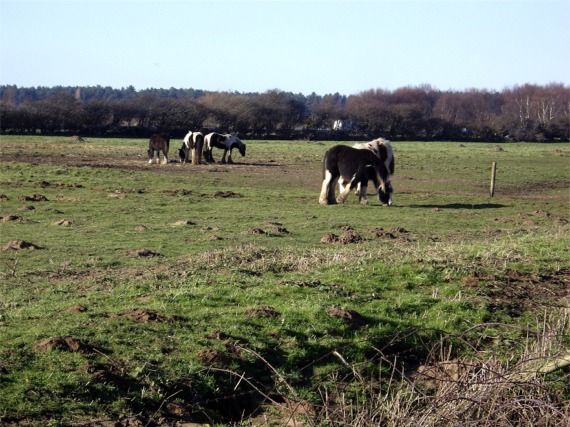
158	142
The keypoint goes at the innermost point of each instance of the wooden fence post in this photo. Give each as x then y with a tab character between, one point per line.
493	174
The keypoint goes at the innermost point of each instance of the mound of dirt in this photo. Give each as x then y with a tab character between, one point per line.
256	230
350	236
143	253
515	293
213	357
77	309
16	245
141	228
26	208
225	194
64	344
183	222
14	218
330	238
263	311
350	317
140	315
33	198
63	223
379	232
281	230
4	197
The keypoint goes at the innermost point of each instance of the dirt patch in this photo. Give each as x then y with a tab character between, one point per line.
26	208
256	230
212	356
262	312
226	194
45	184
350	317
70	344
77	309
14	218
349	237
142	253
140	315
33	198
183	222
141	228
318	285
330	238
16	245
514	293
393	233
4	197
63	223
280	230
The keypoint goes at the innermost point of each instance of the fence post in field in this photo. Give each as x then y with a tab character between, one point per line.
493	174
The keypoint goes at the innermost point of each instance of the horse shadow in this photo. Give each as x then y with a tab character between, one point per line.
461	206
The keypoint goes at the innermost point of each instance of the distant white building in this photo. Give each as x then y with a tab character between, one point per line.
339	124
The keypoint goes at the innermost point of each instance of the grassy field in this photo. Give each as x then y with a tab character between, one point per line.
136	294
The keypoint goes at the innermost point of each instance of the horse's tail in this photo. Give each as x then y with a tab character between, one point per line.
390	162
198	147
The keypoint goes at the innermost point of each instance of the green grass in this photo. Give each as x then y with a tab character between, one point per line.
218	299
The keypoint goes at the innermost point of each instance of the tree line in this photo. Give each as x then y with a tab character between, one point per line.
521	113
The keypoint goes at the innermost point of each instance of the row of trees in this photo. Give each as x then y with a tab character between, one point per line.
529	112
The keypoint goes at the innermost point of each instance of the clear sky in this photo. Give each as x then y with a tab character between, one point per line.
317	46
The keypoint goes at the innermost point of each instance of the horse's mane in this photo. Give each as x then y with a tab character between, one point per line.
373	146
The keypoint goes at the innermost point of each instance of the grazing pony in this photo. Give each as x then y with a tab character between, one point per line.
352	167
158	142
383	150
192	141
226	142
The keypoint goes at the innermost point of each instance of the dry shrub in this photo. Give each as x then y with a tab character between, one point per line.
480	391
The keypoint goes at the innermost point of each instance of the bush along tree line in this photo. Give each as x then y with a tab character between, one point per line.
521	113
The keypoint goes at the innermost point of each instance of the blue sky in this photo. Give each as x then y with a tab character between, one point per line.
299	46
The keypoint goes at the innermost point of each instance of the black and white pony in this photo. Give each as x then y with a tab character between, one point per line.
193	144
383	150
157	143
226	142
352	168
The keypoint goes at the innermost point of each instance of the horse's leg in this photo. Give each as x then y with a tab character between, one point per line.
342	196
230	157
362	188
208	155
224	156
328	184
165	153
150	155
199	148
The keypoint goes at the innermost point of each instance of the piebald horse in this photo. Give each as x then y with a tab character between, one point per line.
194	144
383	150
157	143
352	168
226	142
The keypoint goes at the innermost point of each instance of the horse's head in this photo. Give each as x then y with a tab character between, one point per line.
385	192
235	142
